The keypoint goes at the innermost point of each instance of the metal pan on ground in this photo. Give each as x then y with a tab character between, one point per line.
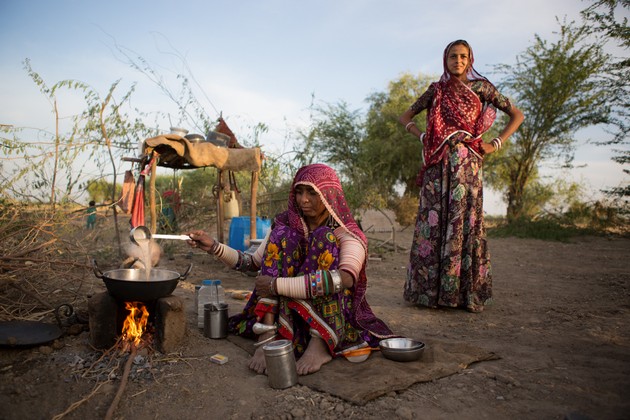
20	333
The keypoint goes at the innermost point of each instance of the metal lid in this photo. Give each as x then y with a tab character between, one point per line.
278	347
212	307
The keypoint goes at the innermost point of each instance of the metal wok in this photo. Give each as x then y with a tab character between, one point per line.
27	333
127	284
17	333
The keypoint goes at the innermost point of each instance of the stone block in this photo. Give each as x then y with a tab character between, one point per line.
170	324
103	315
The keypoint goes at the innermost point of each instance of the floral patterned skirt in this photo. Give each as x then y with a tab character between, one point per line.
330	317
449	263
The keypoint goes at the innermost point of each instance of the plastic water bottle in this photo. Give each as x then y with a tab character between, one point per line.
220	292
211	291
207	294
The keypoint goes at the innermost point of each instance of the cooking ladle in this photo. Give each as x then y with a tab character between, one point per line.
142	233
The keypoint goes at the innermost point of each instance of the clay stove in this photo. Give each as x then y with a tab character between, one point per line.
166	315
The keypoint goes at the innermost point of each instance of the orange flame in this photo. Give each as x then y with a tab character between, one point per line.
135	323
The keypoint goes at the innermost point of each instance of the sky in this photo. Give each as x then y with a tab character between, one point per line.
266	61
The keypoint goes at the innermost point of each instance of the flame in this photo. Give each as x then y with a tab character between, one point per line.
135	323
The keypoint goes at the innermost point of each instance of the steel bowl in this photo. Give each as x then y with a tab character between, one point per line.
195	138
218	139
179	131
401	349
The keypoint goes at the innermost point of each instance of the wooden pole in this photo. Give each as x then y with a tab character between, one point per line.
152	195
252	217
220	206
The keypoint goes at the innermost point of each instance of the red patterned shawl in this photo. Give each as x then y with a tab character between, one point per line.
455	108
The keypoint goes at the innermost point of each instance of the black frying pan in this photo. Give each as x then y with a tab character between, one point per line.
27	333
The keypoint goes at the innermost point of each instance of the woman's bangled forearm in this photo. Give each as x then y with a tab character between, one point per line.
233	258
319	283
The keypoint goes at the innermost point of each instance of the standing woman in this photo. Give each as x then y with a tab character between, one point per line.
449	264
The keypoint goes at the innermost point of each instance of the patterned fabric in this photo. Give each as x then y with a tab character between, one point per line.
324	180
456	107
449	263
343	320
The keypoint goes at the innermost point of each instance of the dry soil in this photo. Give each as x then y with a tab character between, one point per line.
558	324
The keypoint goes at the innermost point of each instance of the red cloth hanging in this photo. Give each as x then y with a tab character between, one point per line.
137	211
223	128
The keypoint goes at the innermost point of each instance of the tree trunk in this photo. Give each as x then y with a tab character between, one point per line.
519	177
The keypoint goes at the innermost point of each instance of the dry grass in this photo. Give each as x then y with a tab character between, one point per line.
43	261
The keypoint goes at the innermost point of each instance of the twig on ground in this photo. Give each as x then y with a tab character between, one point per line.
123	383
75	405
31	294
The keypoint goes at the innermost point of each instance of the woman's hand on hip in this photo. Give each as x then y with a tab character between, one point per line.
487	148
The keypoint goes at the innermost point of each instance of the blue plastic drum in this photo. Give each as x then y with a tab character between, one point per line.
239	231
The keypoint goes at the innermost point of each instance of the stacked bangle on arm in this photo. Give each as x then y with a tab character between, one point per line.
497	143
319	283
408	126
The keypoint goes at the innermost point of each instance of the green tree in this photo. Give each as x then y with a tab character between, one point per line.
395	156
100	190
604	18
336	137
556	85
371	152
47	158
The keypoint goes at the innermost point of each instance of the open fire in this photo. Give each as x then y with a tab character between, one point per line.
135	323
162	322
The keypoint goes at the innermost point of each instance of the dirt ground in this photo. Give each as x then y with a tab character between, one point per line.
559	326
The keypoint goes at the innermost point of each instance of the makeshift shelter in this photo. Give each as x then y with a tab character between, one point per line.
177	152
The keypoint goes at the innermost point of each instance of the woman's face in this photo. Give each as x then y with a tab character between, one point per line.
458	61
309	202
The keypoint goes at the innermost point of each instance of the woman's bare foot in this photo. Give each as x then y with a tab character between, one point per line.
257	362
314	357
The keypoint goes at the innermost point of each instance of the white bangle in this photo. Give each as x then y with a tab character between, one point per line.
410	123
497	143
422	136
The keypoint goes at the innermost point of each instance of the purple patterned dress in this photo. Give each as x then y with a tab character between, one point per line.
343	320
